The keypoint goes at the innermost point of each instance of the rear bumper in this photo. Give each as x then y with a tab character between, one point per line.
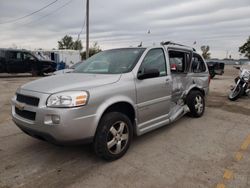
206	90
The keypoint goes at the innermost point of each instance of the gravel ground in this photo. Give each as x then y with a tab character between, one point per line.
211	151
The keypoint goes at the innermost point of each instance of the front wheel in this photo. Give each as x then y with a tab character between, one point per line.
34	72
113	136
235	93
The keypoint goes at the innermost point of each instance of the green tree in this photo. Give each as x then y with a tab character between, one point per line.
94	49
67	42
77	45
245	48
205	52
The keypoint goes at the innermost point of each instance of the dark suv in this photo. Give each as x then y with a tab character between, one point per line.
23	61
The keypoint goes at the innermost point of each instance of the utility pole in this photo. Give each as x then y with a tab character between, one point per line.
87	29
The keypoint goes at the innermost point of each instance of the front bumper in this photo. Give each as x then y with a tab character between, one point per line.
76	125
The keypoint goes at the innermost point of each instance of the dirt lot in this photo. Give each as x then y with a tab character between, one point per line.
211	151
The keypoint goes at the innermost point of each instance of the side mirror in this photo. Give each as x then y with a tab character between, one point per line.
148	73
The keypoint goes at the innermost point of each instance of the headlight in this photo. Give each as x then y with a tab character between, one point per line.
68	99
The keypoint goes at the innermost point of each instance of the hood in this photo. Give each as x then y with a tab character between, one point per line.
71	81
47	63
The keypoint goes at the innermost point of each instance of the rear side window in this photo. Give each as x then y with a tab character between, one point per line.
178	61
15	55
155	59
198	65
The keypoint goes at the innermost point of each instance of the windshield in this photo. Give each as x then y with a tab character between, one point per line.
115	61
39	55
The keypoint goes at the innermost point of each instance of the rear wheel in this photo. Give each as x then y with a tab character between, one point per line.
212	75
113	136
196	103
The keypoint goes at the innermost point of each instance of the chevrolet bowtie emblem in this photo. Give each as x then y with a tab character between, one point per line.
20	106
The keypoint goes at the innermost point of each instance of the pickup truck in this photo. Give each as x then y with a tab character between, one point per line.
113	96
215	68
23	61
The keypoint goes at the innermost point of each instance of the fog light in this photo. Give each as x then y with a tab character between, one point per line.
52	119
55	119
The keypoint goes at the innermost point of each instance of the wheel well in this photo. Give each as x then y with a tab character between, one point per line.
197	89
124	108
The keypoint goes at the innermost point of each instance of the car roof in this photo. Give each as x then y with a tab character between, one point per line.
158	46
167	44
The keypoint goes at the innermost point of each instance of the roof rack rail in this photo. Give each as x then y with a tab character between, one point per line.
173	43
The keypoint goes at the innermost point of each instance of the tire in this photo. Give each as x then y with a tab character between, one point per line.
40	73
34	72
196	103
111	140
236	93
212	75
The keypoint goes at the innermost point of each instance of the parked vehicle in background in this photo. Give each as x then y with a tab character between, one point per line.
114	95
68	70
242	86
215	68
23	61
68	57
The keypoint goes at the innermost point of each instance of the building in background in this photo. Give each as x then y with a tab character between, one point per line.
64	58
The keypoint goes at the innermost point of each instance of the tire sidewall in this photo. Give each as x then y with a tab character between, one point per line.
100	141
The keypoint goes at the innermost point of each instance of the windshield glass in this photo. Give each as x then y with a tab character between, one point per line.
114	61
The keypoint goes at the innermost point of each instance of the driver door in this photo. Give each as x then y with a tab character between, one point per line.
153	94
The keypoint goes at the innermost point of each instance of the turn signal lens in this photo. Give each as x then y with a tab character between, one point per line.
81	100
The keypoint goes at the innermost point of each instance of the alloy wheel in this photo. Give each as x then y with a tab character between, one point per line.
117	137
199	104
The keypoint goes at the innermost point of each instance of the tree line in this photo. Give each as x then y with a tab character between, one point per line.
67	42
244	49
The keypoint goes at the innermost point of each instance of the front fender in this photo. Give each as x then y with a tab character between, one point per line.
113	100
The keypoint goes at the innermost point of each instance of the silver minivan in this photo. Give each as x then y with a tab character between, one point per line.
113	96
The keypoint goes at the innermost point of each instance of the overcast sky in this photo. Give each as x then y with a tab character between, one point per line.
224	25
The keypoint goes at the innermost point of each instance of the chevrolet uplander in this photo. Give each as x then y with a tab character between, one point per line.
113	96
